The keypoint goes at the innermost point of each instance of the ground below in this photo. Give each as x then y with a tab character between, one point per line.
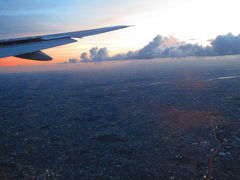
149	120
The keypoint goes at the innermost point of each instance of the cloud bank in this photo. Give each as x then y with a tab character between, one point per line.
161	47
226	44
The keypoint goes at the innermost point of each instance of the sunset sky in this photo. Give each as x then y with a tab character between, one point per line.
194	21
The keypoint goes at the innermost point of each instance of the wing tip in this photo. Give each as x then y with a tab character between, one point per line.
126	26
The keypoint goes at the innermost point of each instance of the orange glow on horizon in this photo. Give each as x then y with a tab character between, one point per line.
13	61
57	55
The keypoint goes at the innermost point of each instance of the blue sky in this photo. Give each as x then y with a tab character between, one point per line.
185	19
20	17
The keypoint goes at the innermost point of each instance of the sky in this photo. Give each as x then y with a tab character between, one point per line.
192	21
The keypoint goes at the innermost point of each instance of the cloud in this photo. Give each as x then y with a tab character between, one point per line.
71	61
95	55
226	44
169	47
84	57
161	47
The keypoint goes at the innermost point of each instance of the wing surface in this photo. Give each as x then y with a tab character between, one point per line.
29	47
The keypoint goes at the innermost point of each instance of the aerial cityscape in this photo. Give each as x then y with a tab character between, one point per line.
119	90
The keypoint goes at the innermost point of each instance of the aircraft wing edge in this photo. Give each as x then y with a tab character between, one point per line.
74	34
31	46
19	49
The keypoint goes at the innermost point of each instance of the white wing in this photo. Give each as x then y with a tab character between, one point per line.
29	47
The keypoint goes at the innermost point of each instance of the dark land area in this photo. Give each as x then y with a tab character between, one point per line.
145	120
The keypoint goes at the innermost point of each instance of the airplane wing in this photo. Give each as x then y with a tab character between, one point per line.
30	47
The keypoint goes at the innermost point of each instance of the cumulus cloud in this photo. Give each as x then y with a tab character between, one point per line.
84	57
226	44
95	55
170	47
161	47
98	54
74	60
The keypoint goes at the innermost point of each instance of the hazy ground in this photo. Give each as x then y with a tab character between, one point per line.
170	119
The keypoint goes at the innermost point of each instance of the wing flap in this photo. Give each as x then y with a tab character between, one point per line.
39	56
